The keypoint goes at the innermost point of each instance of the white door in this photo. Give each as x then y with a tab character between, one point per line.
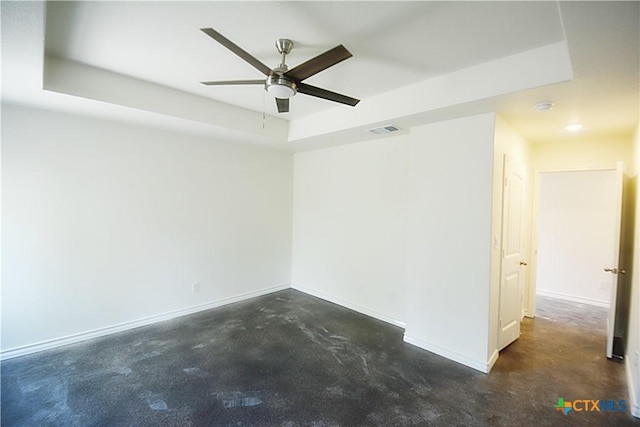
614	268
512	265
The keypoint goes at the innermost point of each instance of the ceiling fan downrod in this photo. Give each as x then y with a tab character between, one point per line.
284	46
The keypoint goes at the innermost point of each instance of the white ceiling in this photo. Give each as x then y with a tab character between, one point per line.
394	45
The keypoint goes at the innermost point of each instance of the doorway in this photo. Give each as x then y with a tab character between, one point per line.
576	242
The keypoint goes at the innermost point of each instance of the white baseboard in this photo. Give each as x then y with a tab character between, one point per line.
351	306
82	336
633	383
572	298
482	366
492	360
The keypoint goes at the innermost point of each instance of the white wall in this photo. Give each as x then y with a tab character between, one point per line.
374	217
581	154
106	223
449	238
632	359
507	142
575	240
349	225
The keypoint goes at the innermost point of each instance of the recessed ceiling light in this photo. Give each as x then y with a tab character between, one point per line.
574	127
544	106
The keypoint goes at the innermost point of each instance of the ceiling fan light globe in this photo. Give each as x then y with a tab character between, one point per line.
280	91
280	86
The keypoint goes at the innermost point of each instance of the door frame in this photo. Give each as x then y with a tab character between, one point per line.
531	284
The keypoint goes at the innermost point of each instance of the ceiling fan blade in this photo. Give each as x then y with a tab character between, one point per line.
326	94
283	105
234	82
319	63
237	50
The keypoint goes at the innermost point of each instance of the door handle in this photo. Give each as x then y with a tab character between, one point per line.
524	263
612	270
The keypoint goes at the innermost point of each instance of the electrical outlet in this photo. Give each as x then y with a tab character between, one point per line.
195	287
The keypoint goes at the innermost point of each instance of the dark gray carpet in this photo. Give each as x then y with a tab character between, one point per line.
288	359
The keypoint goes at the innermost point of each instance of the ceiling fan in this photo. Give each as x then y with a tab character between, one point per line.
281	82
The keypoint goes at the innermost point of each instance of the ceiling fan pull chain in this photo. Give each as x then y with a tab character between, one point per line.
264	114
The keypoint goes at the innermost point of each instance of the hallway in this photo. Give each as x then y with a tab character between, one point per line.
561	354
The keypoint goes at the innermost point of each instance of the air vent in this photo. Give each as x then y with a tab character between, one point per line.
384	129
